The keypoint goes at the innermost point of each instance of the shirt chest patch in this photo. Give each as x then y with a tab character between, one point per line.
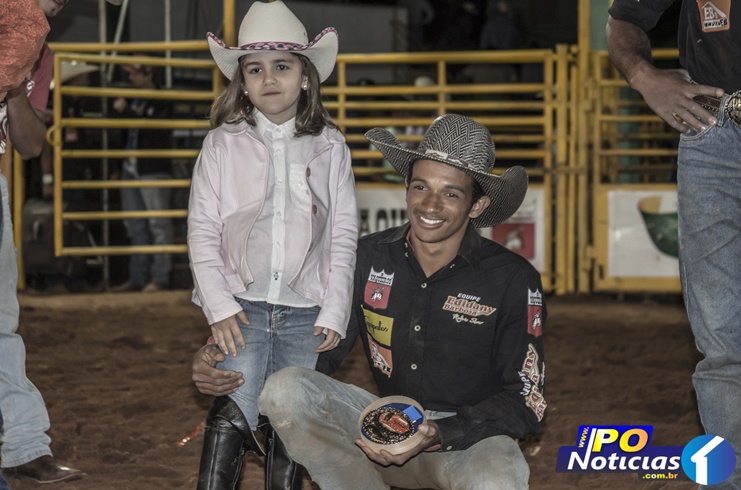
714	15
467	308
378	289
379	329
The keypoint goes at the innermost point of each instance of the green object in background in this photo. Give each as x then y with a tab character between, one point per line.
662	226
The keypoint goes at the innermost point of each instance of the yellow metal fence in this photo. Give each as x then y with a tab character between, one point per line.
563	127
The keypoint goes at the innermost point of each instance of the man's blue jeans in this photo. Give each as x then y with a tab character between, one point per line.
26	420
277	337
316	417
709	195
144	268
4	485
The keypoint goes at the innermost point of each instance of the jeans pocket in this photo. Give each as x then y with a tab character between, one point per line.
694	135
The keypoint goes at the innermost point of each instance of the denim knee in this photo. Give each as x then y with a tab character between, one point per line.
284	391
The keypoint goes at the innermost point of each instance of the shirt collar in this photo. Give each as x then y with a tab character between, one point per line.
266	127
470	248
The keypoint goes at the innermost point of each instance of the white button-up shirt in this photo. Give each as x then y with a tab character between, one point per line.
286	211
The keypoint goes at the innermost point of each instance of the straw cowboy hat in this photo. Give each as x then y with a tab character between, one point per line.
273	27
462	143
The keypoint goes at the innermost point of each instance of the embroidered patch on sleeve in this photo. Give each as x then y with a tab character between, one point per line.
380	357
534	313
715	15
378	289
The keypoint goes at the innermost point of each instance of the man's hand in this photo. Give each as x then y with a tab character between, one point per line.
210	380
227	331
669	94
431	437
332	340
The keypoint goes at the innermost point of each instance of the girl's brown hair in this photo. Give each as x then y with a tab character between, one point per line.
233	106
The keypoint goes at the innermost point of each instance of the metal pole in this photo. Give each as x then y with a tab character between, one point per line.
168	38
106	230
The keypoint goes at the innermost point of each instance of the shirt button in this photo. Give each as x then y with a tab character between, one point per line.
414	367
308	172
278	213
424	285
313	209
449	448
417	328
279	182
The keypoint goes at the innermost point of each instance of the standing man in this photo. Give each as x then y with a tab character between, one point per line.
24	444
147	273
446	317
703	102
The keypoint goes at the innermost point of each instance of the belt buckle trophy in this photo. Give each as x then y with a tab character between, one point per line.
733	108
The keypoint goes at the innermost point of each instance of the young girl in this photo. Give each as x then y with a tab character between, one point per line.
272	225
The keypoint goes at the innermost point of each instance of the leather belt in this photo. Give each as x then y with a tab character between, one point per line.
732	107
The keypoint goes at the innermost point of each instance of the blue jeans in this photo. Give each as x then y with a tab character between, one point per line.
4	485
709	195
144	268
26	420
317	419
277	337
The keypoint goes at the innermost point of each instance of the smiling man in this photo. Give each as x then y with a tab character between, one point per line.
446	317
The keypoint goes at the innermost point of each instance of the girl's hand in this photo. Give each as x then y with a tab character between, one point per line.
227	330
332	340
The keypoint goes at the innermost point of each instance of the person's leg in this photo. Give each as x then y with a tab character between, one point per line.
137	231
495	463
160	229
293	345
233	421
709	195
316	417
4	485
26	419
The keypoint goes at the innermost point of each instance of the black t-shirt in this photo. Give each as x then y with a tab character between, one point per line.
709	36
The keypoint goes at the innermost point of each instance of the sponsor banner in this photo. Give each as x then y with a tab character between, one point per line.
642	234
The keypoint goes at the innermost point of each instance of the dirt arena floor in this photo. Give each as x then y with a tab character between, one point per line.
115	373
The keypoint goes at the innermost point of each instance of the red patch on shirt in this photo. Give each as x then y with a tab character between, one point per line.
535	320
377	295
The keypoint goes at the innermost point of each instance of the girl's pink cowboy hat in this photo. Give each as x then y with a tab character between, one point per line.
273	27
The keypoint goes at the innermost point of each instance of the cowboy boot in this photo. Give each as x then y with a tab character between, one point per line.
281	472
227	436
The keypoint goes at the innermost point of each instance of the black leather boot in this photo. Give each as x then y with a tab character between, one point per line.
227	436
281	472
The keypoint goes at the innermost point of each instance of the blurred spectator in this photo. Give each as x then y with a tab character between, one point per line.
147	272
420	15
44	270
501	30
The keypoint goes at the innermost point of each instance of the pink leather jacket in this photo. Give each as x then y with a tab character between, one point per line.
226	198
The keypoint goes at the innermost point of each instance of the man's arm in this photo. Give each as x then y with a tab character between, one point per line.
668	93
26	127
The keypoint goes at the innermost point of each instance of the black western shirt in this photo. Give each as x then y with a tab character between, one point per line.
709	36
467	340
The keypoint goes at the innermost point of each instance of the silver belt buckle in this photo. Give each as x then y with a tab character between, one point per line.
733	108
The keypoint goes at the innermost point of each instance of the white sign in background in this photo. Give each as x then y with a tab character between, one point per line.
631	253
384	207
